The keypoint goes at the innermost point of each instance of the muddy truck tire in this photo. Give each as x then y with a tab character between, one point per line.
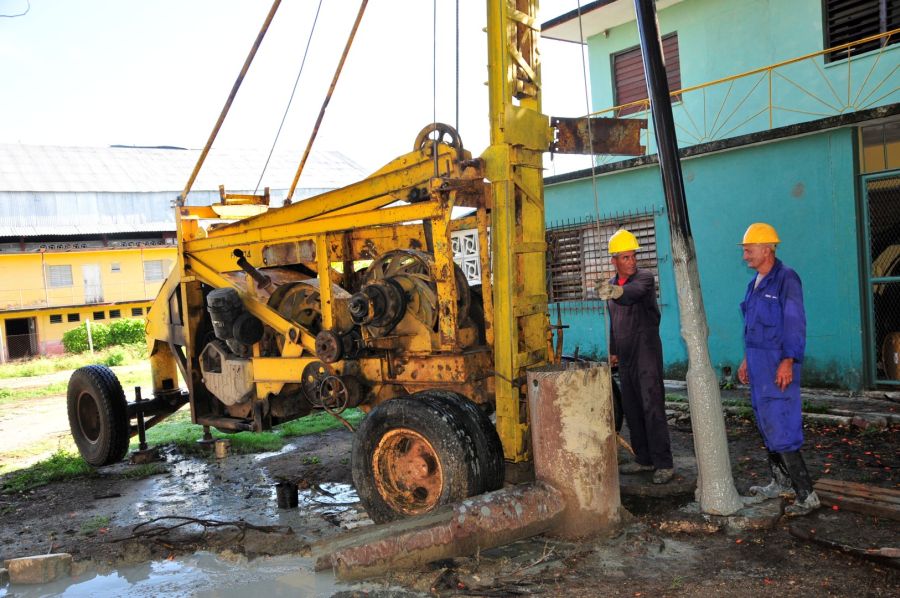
98	415
410	457
488	448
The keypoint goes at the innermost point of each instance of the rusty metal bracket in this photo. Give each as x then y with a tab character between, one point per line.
614	136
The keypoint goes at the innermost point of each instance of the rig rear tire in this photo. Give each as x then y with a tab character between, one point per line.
411	456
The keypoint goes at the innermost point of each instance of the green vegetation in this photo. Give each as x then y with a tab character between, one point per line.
120	355
61	465
179	431
8	395
120	332
94	524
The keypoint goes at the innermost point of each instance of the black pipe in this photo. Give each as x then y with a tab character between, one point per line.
663	123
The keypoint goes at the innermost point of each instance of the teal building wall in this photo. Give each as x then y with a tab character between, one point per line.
721	38
804	186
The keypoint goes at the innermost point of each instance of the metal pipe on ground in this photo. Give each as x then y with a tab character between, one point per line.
574	444
460	529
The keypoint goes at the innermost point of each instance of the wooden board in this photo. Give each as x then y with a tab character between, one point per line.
860	498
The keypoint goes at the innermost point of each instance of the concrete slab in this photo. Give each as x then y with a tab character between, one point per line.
39	569
754	516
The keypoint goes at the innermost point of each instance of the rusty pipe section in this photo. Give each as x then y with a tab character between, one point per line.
460	529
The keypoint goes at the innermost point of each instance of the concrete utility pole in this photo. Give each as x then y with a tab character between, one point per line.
715	485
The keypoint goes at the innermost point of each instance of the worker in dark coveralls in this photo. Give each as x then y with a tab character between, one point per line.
774	343
635	344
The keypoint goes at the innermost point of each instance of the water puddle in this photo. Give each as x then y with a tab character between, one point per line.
201	574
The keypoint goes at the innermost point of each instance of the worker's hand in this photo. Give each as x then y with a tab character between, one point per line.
607	290
784	375
742	372
613	361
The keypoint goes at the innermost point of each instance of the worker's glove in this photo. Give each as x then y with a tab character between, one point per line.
607	290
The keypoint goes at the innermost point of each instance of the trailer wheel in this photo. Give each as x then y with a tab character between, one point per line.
98	415
488	449
411	456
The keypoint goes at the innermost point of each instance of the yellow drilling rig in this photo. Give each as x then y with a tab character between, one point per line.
352	299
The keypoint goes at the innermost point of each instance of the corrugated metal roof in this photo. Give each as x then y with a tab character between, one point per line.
50	191
135	169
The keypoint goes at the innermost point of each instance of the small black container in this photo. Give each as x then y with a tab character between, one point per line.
286	492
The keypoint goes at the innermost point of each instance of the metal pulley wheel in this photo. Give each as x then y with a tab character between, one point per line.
414	272
435	133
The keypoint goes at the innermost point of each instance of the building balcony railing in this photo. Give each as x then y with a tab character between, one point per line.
789	92
40	298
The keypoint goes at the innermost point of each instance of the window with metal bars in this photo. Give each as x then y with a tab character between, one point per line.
577	256
849	20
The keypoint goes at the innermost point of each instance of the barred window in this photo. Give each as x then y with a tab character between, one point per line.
56	318
115	313
59	276
577	255
99	315
73	317
137	311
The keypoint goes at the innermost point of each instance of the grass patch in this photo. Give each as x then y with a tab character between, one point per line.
179	431
676	398
62	465
94	524
318	422
123	355
13	395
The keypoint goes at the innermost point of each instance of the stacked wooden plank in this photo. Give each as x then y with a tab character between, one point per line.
860	498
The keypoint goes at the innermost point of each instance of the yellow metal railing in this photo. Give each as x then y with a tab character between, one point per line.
777	95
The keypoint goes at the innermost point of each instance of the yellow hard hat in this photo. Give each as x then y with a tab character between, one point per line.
760	232
622	241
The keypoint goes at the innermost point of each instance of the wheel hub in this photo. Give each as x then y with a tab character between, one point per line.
408	472
89	417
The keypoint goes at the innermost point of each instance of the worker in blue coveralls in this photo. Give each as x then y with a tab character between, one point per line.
774	343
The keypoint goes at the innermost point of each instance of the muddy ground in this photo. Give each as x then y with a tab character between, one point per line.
110	520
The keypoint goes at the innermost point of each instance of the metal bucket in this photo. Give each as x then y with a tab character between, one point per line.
222	447
286	493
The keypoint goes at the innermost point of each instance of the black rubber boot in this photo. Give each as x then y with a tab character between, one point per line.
806	501
780	482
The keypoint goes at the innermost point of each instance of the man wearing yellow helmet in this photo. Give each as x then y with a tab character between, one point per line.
774	346
635	344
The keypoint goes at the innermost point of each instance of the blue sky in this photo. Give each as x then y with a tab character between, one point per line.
101	72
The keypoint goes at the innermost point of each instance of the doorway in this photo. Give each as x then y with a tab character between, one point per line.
21	338
881	227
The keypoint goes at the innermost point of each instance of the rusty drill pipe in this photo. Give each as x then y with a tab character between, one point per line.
461	529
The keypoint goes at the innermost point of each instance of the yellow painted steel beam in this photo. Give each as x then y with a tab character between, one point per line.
308	229
419	171
520	133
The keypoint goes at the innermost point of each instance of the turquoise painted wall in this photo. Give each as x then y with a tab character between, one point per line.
721	38
803	186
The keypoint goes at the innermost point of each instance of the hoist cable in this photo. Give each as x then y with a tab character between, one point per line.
234	89
290	99
434	152
587	102
334	80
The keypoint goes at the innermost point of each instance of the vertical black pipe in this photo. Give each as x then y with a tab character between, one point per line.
663	123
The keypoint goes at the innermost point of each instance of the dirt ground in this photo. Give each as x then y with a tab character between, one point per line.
109	520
